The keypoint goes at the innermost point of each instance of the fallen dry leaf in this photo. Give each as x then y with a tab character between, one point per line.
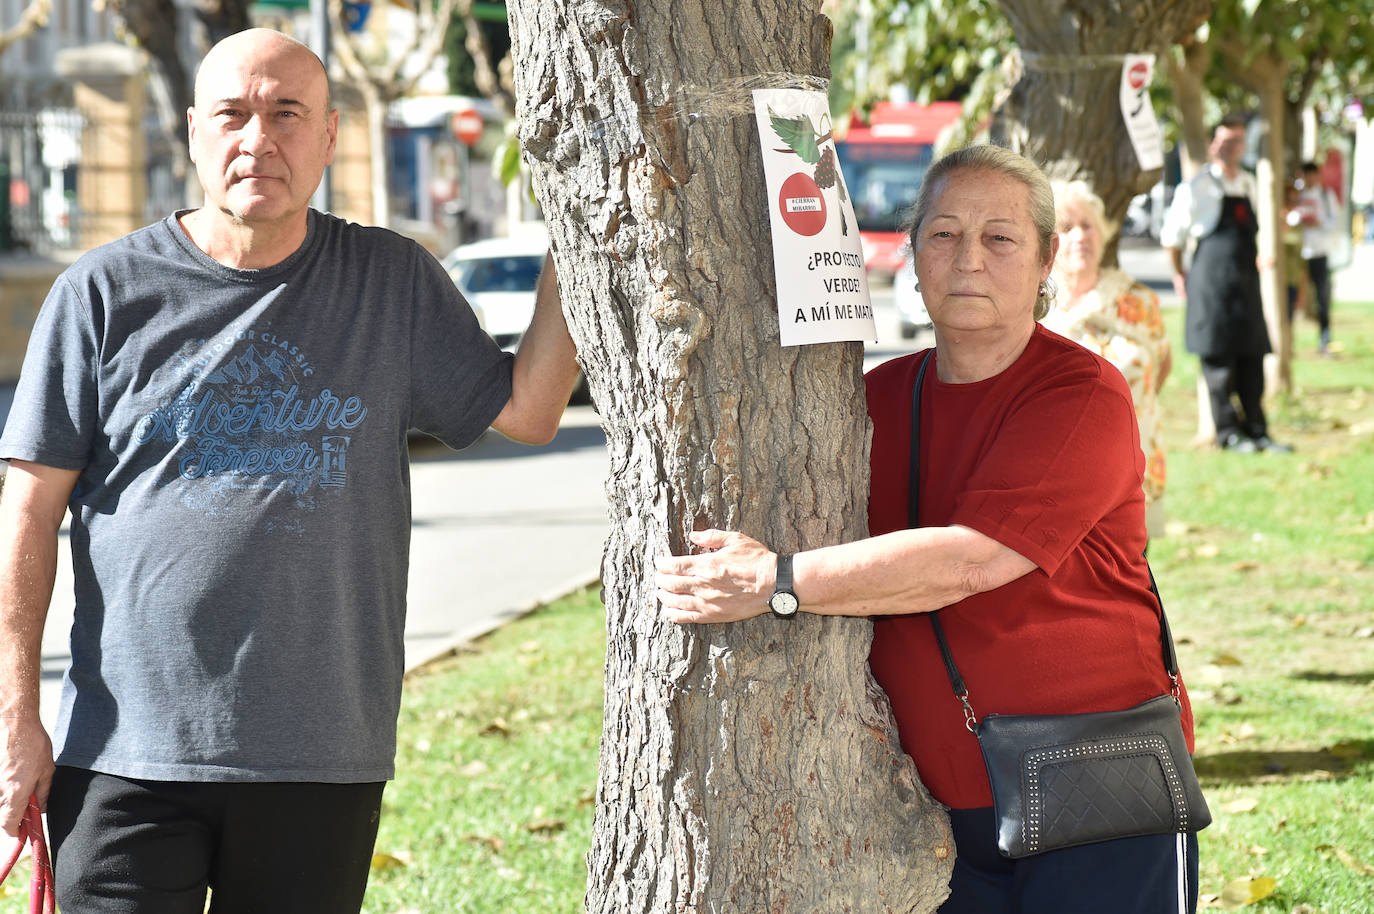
1351	862
497	726
1245	891
1240	805
383	861
491	842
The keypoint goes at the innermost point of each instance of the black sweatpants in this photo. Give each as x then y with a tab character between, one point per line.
124	846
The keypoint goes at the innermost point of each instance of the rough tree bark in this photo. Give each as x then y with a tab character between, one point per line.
1065	111
1186	69
752	767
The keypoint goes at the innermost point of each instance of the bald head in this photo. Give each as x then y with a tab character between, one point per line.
260	50
261	135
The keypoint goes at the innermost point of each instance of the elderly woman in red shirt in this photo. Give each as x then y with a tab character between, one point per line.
1030	540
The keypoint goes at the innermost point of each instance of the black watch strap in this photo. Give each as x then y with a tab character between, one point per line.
784	601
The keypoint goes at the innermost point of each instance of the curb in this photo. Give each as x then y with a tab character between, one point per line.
453	645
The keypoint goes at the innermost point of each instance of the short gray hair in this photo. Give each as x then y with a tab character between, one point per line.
1080	193
1001	161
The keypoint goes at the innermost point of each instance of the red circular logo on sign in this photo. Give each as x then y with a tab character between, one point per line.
1135	76
802	204
466	125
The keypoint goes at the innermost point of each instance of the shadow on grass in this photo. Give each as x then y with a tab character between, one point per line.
1258	765
1364	678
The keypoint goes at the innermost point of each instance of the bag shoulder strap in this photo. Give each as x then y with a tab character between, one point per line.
913	495
956	680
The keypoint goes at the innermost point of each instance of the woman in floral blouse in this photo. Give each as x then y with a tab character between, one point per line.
1116	317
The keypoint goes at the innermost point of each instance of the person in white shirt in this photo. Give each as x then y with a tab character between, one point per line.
1318	210
1225	324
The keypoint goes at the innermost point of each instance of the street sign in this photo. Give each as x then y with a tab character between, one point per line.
466	125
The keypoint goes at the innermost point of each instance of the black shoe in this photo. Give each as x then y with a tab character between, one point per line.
1241	444
1265	443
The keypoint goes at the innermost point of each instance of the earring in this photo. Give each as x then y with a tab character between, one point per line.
1044	290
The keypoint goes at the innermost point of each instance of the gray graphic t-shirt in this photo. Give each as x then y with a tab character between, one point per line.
241	525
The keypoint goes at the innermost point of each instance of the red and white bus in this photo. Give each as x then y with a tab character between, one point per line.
884	158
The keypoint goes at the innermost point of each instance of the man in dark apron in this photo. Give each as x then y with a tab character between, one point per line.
1225	324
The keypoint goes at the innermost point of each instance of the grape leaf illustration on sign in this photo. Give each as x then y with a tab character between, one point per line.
814	146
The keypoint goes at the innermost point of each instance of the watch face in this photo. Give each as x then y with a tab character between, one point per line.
783	603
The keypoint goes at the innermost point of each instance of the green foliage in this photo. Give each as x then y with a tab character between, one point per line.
506	163
800	135
1327	44
935	50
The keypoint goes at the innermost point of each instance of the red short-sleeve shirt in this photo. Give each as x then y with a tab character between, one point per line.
1045	459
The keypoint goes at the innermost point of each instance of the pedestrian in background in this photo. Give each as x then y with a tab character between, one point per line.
222	400
1319	213
1116	317
1225	324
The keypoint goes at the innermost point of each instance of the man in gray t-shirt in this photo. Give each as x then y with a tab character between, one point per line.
222	400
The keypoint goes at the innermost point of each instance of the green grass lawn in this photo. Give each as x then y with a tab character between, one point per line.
1268	573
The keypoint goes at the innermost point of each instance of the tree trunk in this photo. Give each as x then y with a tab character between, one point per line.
1186	67
1065	111
752	767
374	108
1273	176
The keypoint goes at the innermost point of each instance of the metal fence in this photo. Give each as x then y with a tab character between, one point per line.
39	155
40	164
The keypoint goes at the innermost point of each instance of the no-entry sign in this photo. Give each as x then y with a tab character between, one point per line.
466	125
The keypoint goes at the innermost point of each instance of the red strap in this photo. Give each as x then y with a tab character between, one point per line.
42	897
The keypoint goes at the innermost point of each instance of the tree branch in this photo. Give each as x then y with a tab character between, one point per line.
34	17
490	81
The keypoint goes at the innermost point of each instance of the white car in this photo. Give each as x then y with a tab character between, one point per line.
498	277
911	308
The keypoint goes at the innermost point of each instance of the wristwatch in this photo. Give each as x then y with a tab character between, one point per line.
783	602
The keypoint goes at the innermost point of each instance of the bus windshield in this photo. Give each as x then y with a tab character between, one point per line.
883	179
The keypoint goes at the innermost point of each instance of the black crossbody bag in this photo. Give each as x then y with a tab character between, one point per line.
1060	780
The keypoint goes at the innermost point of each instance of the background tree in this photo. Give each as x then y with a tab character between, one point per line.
1041	73
1280	55
752	767
31	19
154	26
381	79
478	49
1064	110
